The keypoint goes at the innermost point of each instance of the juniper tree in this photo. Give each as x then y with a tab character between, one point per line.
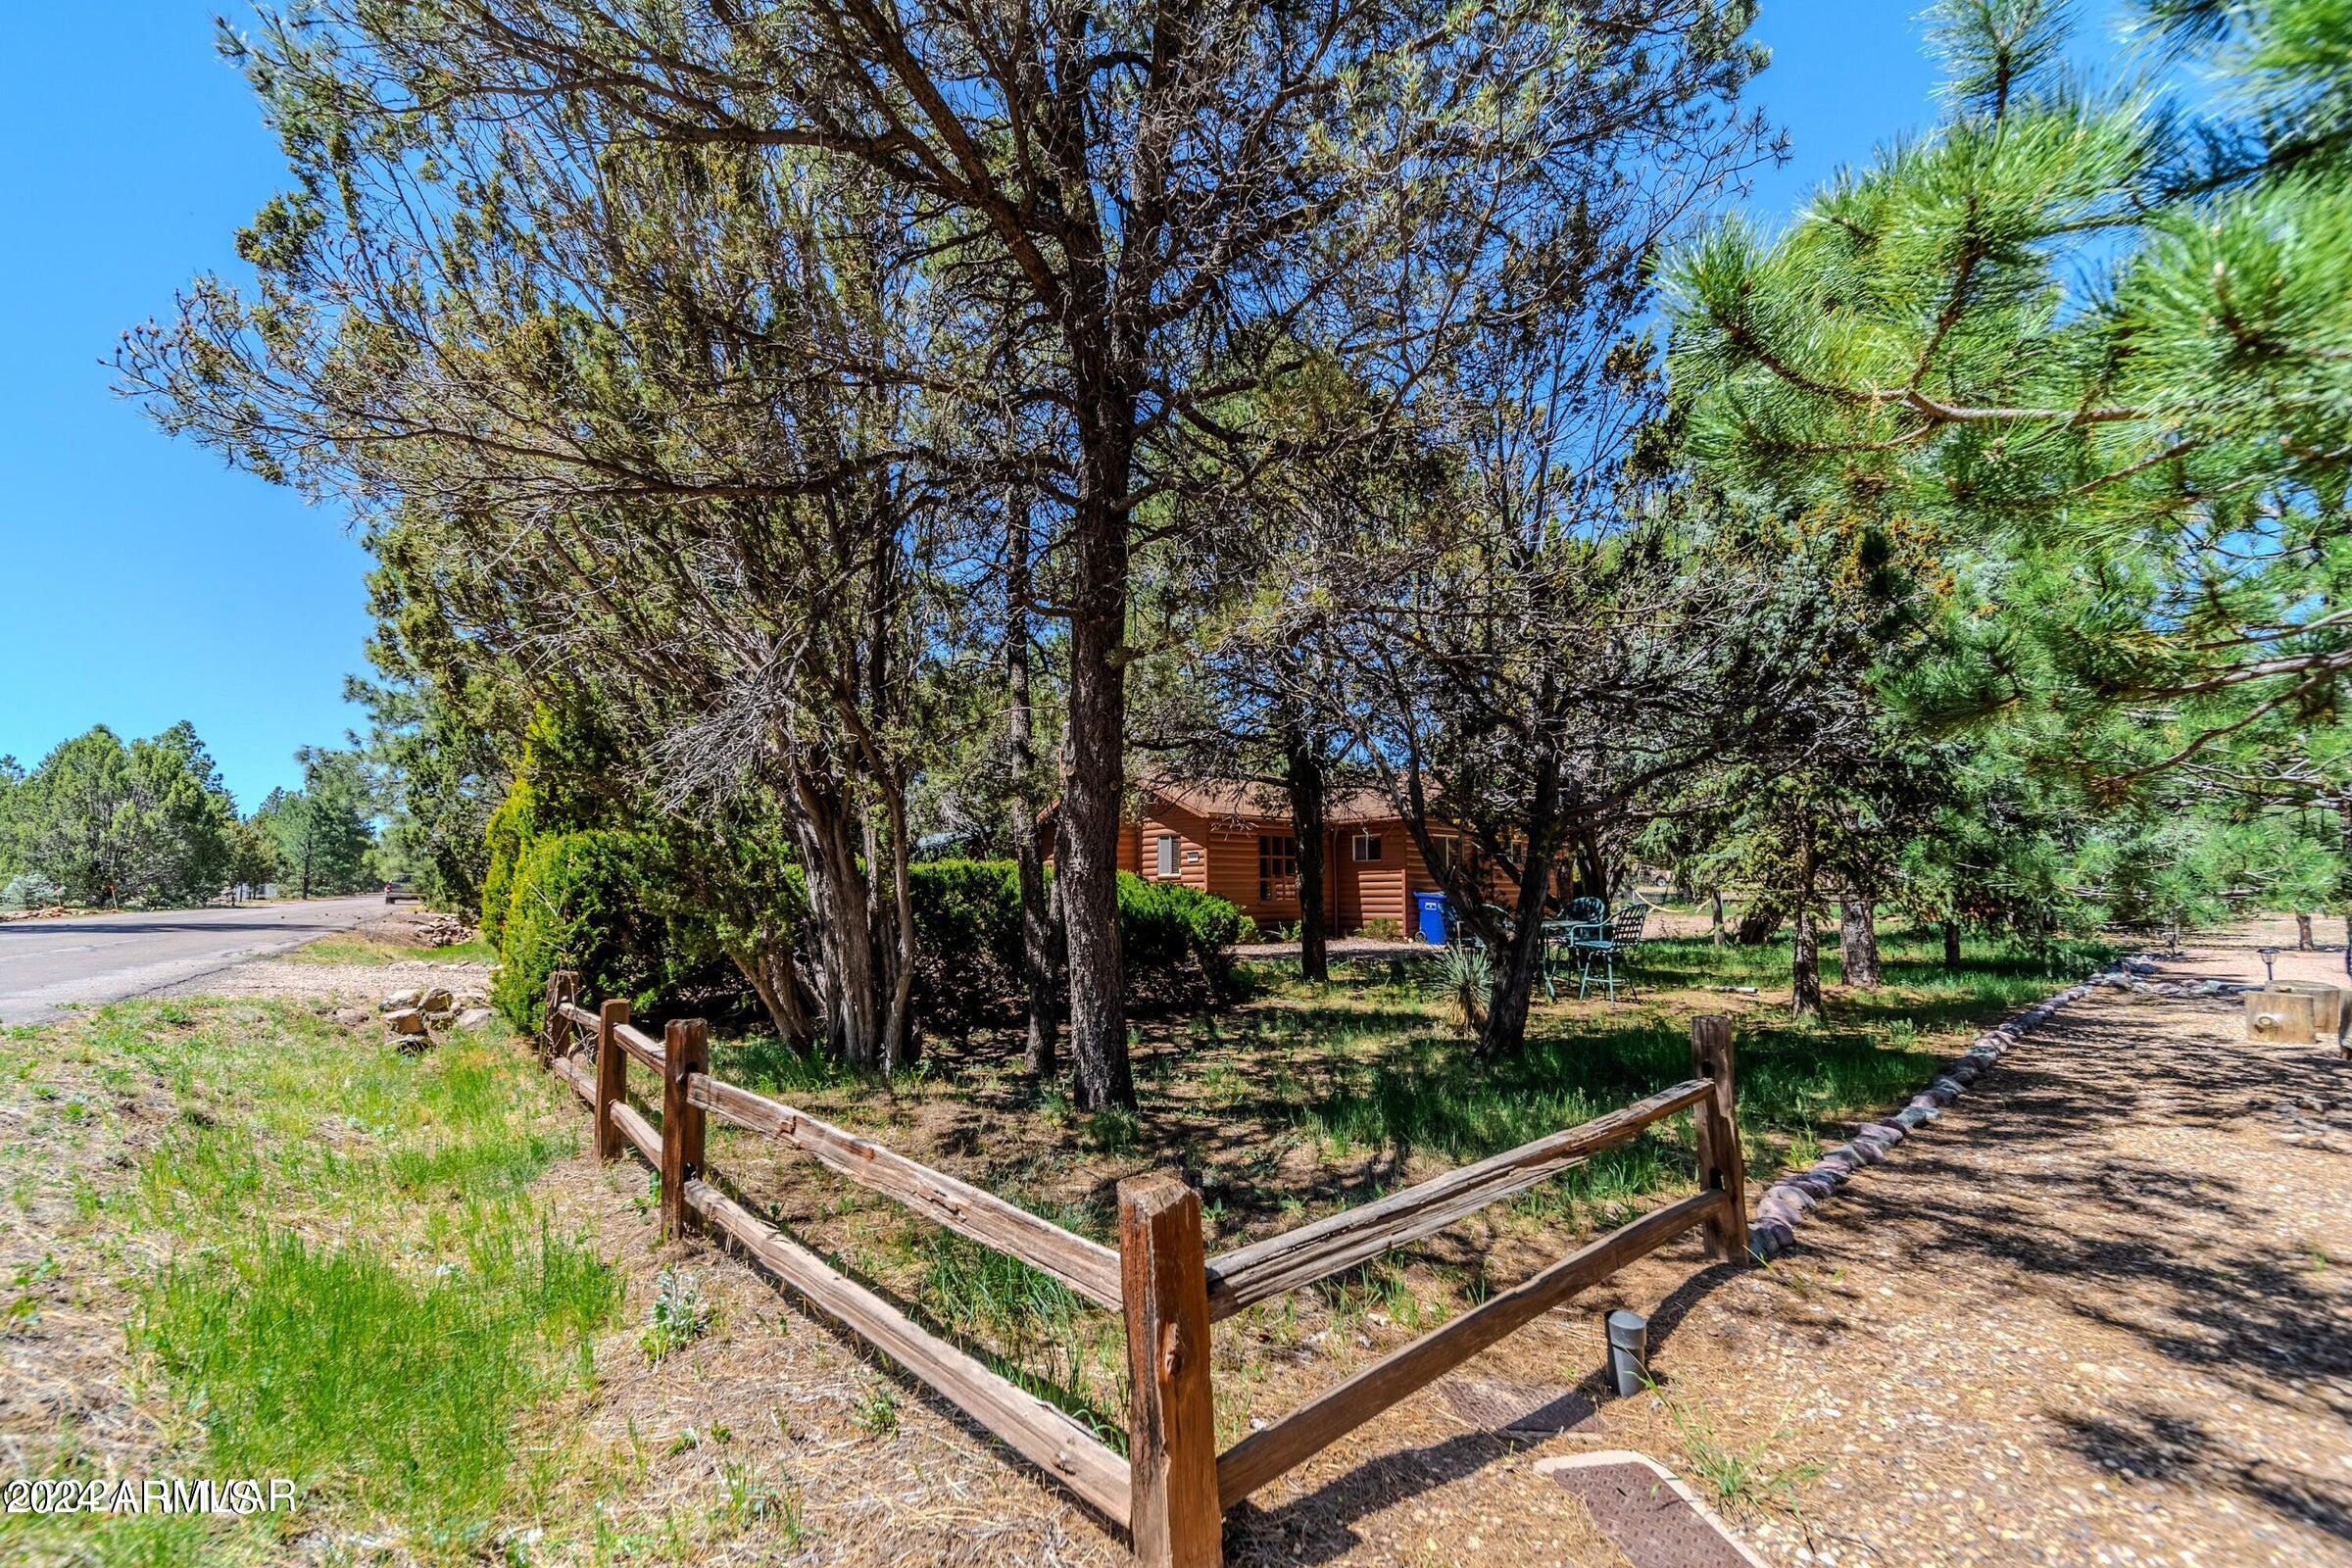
105	821
1129	212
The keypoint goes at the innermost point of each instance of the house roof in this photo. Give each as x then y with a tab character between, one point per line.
1230	799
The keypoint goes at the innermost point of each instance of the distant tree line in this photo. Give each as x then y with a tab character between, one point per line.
148	823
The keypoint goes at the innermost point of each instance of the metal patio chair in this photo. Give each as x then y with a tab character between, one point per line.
1586	918
1621	935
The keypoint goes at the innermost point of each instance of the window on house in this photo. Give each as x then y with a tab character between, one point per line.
1167	854
1367	847
1277	868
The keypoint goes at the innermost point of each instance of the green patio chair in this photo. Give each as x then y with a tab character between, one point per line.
1605	944
1586	917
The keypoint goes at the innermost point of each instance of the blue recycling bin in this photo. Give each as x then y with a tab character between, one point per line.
1429	917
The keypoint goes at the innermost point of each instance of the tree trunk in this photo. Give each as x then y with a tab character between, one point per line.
1517	965
1303	777
1859	937
849	967
1715	932
1952	944
900	1042
1057	924
766	964
1520	960
2303	942
1037	935
1804	944
1094	785
1591	868
1759	921
1805	962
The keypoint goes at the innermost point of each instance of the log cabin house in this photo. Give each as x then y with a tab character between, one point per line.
1236	841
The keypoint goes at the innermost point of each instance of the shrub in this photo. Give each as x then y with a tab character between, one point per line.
30	890
510	826
585	902
967	939
1466	978
592	900
967	922
1173	938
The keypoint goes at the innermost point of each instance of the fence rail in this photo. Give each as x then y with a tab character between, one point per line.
1173	1488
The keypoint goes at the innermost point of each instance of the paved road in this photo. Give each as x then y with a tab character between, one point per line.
48	964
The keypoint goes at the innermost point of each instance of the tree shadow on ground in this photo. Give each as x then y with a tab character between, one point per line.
2187	1263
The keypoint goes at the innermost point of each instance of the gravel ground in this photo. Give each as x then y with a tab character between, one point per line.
2101	1312
355	984
351	985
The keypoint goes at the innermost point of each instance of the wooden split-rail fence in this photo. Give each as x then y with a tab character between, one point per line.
1173	1490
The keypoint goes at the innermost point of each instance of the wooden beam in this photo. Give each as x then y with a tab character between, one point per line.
1322	1249
575	1074
577	1015
637	1043
630	1123
612	1075
1172	1425
686	1054
1028	1425
1322	1421
1087	1267
1722	1167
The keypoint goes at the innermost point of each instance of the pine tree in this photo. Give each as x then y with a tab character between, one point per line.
2098	349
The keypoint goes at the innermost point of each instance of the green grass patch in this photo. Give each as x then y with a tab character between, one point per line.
337	1273
1362	1073
386	1390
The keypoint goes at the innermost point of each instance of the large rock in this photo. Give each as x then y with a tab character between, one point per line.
436	999
408	1030
395	1000
475	1018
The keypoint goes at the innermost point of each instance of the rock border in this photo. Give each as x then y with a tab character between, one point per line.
1787	1200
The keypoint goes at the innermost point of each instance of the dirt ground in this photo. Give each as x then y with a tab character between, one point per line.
2101	1312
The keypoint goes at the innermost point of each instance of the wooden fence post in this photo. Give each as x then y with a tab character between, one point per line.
685	1052
1171	1426
612	1073
563	986
1721	1166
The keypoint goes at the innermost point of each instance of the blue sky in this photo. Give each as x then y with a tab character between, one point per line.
143	582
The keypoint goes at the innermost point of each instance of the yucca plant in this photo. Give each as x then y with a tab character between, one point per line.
1466	978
